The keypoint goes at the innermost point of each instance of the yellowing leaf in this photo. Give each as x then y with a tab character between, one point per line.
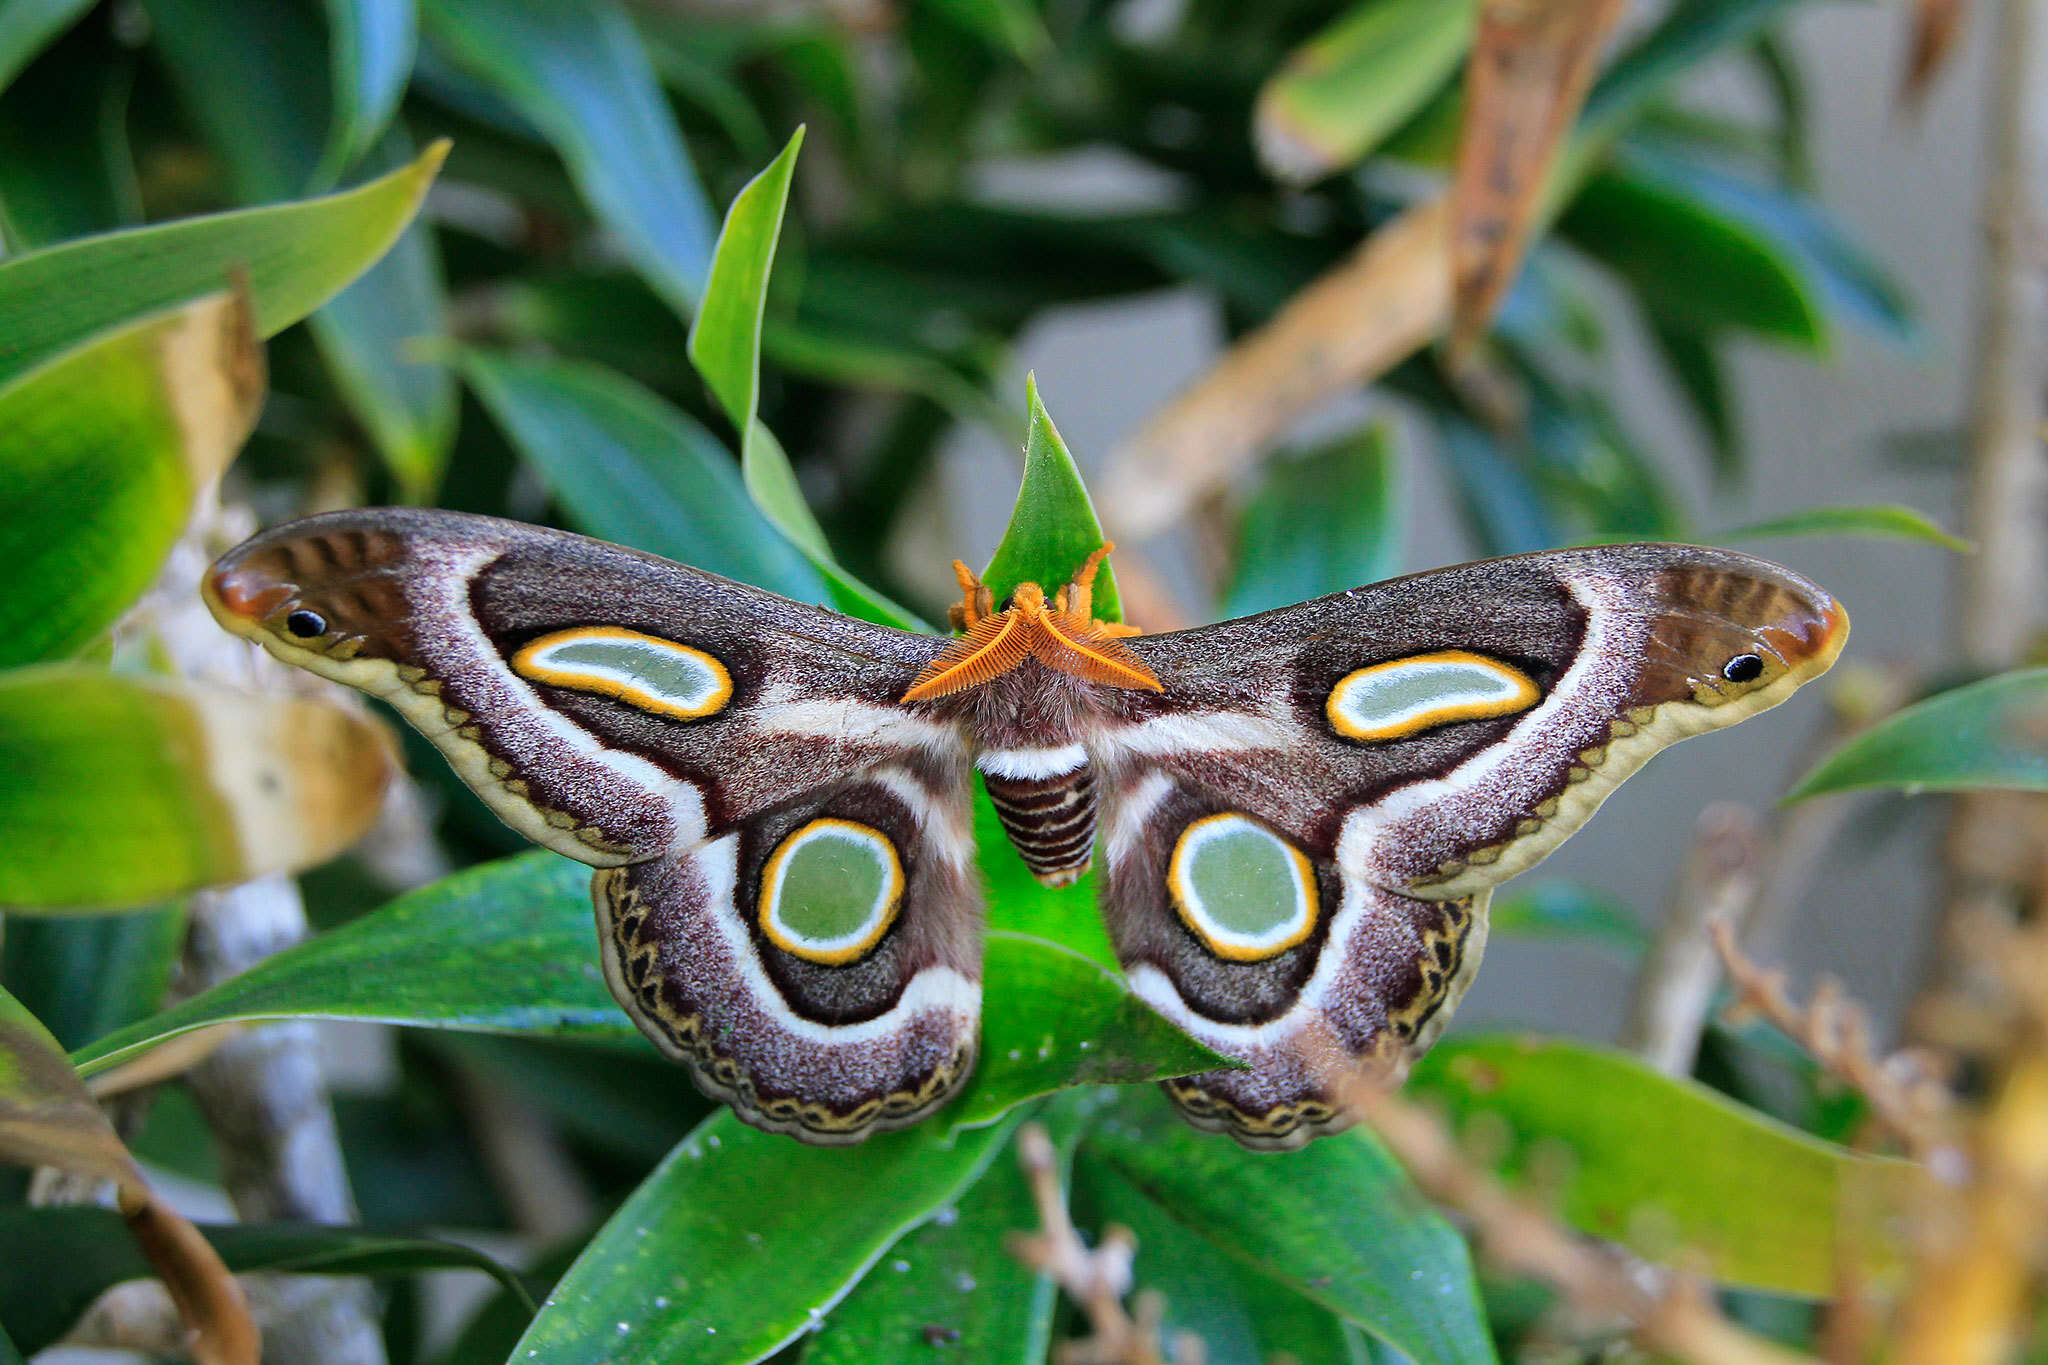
121	791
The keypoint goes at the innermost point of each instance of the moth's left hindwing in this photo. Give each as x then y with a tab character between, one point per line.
784	903
1302	829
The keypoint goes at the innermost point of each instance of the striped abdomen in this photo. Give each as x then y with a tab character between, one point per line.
1046	800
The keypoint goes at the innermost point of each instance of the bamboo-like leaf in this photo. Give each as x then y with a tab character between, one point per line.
507	948
1352	84
371	45
725	346
66	167
256	81
1532	65
1328	521
1053	527
741	1241
1991	734
28	26
122	791
632	468
577	71
1764	1205
1337	1222
1879	522
103	450
296	256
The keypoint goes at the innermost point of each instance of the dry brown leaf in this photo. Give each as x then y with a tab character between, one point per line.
48	1119
1937	27
1531	67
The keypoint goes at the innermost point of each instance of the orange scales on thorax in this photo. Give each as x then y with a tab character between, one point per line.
1045	796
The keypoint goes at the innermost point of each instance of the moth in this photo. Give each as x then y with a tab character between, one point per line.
1300	815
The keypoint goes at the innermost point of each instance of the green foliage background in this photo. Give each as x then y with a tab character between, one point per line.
571	333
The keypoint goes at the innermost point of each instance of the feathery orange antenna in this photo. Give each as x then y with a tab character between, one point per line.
1062	635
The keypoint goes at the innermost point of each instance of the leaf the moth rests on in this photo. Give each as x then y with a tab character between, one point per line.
126	791
741	1241
447	955
1338	1222
1053	527
1988	735
954	1282
103	450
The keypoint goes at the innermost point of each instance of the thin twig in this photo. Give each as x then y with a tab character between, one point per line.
1904	1090
1096	1278
1664	1311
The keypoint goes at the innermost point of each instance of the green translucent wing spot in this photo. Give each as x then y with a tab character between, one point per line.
830	891
1245	892
1404	697
640	670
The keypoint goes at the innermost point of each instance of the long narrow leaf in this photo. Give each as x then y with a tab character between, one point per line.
1990	734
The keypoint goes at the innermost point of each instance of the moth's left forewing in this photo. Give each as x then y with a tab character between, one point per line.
1413	743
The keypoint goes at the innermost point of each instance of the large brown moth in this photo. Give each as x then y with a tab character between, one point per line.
1300	814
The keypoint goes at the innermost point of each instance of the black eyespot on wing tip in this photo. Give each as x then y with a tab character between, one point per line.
1743	668
305	625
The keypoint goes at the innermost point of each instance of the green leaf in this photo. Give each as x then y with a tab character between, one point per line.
577	72
80	1253
122	791
1355	82
725	341
1988	734
256	83
953	1284
66	168
725	346
631	468
28	26
1323	523
1013	27
1054	1019
103	451
371	45
1880	522
1846	284
296	257
1567	910
1767	1206
741	1241
1053	527
1694	363
507	948
1337	1222
502	948
87	976
1692	264
1239	1313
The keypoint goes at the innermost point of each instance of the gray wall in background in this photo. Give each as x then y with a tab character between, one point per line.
1908	190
